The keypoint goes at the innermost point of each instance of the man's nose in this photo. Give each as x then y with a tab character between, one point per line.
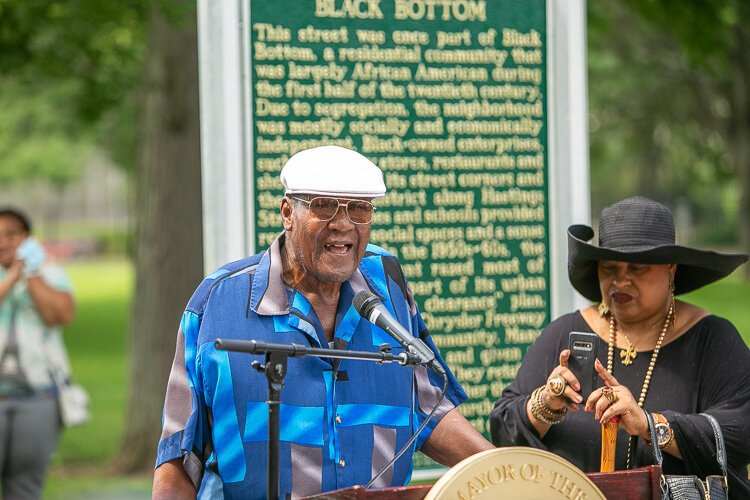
341	219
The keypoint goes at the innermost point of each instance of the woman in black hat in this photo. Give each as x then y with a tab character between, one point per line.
667	357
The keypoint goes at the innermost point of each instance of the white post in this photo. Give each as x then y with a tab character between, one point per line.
223	158
567	117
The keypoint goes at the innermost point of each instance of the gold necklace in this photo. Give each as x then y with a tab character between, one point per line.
647	380
652	363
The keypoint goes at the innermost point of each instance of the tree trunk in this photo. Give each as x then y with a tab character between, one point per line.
168	241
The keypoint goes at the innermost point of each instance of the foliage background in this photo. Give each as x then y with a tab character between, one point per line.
669	89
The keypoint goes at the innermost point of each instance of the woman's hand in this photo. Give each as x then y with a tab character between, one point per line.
623	404
570	395
12	276
15	271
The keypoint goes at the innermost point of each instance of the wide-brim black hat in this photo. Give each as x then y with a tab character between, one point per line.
641	230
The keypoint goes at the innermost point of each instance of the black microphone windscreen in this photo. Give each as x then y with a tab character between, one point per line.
363	302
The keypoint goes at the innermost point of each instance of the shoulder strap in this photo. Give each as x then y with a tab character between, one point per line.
10	359
655	451
11	345
56	372
633	445
721	454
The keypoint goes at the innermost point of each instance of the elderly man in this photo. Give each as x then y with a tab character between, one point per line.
341	421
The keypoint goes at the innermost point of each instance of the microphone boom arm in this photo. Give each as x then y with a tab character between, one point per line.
298	350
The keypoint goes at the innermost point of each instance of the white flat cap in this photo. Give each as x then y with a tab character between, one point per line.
332	171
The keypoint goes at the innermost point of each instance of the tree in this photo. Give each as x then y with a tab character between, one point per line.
82	55
669	84
169	251
37	141
96	52
715	36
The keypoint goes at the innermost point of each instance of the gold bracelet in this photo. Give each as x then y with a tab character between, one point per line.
542	412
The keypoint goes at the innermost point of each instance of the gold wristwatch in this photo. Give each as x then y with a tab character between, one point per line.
664	433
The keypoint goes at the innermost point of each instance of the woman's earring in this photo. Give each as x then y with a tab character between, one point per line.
674	306
603	309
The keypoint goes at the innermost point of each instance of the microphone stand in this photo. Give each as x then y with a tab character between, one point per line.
275	371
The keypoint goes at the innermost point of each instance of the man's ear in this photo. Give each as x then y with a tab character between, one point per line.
286	213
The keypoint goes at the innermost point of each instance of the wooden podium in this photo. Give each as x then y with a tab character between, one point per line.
481	477
359	492
635	484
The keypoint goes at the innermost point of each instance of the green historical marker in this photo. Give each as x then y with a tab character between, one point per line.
450	98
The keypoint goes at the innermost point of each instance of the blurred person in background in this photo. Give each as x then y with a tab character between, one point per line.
35	302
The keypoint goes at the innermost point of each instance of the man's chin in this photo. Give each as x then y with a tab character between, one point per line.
339	275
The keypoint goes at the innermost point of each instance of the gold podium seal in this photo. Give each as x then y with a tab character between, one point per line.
515	472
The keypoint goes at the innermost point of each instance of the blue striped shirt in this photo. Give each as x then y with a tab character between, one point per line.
340	422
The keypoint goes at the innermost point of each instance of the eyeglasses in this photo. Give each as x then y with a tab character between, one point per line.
324	209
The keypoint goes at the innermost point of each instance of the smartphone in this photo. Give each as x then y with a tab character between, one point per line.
582	347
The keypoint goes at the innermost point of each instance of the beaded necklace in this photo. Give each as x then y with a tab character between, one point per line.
652	363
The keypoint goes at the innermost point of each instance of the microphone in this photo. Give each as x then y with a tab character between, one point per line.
369	306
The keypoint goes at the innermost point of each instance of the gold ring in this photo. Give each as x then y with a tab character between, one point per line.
556	385
610	394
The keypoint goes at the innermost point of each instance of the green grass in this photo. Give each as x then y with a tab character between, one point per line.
729	298
75	485
97	345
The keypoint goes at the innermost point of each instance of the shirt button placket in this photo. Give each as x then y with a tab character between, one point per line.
342	462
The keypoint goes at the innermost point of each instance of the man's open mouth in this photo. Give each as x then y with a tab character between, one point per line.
339	248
